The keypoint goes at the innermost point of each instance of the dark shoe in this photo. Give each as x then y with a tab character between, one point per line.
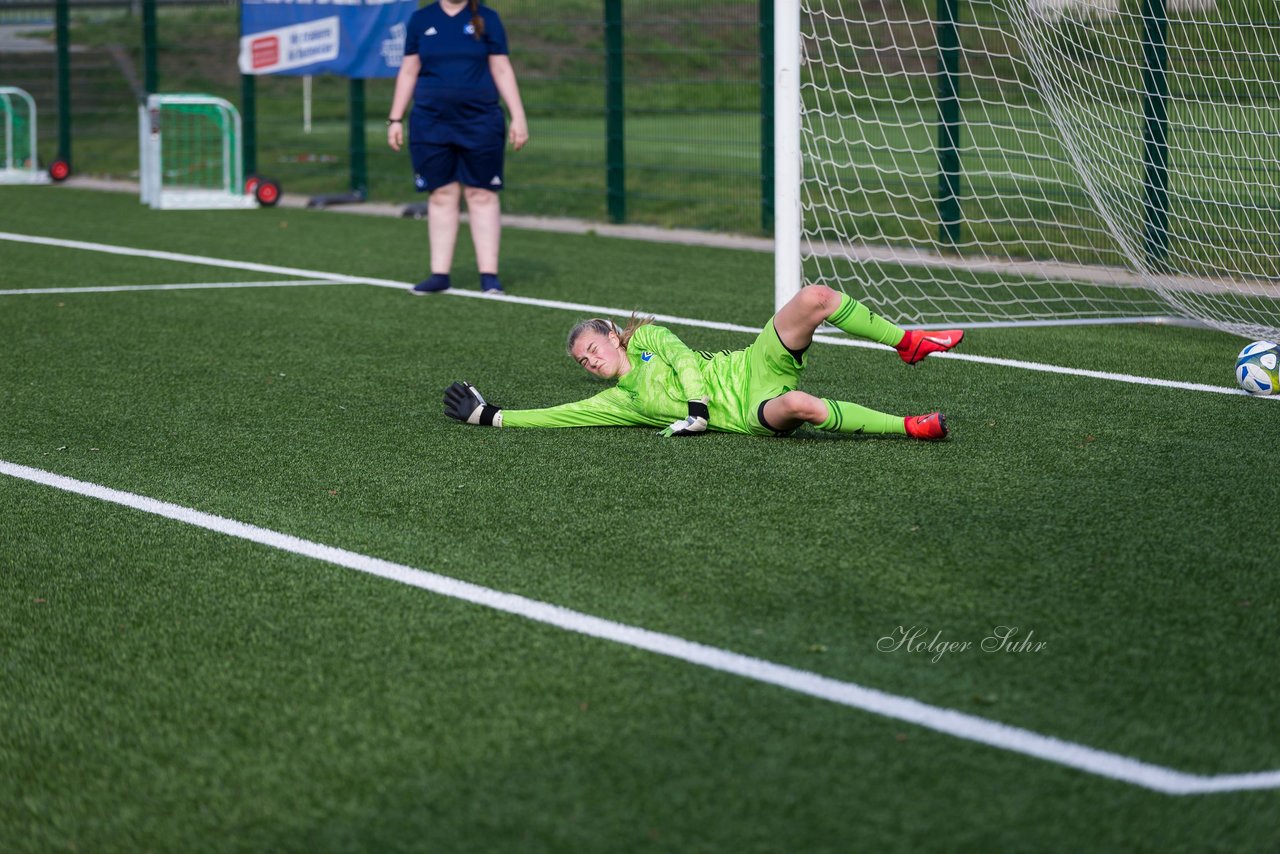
489	284
433	285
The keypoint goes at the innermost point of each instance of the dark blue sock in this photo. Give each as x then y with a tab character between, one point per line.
489	282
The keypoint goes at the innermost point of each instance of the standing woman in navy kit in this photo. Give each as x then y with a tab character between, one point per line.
454	70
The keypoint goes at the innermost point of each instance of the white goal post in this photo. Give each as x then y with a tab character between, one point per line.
787	165
19	165
190	153
978	162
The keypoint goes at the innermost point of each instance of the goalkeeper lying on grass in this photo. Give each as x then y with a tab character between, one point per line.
754	391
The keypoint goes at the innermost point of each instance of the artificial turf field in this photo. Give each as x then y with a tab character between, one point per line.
166	686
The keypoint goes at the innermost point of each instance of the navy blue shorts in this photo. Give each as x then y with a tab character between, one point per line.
438	164
469	151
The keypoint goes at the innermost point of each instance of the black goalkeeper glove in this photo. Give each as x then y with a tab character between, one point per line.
695	423
463	402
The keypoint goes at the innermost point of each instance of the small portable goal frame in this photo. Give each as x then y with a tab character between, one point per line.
190	153
18	114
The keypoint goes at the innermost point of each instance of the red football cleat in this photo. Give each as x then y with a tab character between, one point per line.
931	427
918	343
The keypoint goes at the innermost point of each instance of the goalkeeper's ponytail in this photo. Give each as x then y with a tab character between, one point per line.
476	21
633	324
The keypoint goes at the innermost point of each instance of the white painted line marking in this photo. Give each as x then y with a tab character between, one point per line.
184	258
178	286
1113	766
597	309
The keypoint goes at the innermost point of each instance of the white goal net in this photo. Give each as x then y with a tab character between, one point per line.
190	153
980	161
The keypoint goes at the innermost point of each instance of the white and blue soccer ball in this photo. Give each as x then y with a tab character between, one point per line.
1258	368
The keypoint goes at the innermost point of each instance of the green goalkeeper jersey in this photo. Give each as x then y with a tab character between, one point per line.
665	375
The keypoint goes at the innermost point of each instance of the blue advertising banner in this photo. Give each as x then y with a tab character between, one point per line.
349	38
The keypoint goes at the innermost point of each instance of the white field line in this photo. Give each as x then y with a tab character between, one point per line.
1100	763
868	345
184	258
178	286
592	309
1155	320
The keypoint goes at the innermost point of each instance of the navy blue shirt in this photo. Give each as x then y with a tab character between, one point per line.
455	85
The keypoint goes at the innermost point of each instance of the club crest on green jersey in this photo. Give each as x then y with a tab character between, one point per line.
646	356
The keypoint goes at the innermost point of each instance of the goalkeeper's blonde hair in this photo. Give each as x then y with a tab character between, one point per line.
603	326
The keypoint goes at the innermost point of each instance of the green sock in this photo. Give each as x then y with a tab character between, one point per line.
843	417
856	319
